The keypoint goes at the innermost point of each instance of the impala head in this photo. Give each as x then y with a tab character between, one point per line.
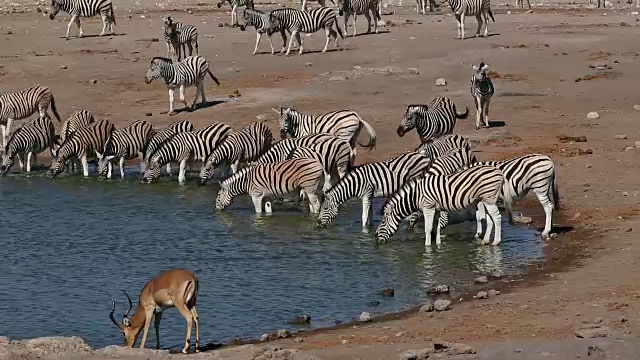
224	197
55	9
286	121
328	211
409	119
480	71
130	334
154	68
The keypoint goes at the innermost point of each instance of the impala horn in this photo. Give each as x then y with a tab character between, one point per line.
125	316
113	309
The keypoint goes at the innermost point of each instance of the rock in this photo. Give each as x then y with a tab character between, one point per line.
585	151
115	351
401	333
599	332
634	13
482	295
417	354
301	320
236	93
597	320
636	107
298	340
637	144
452	349
629	148
624	193
364	317
4	340
593	115
94	81
38	9
409	355
495	275
388	292
344	342
623	319
9	32
441	305
308	65
481	280
522	220
493	293
438	289
148	114
338	78
283	334
620	137
63	67
565	139
226	24
58	344
441	82
426	308
220	25
414	71
264	337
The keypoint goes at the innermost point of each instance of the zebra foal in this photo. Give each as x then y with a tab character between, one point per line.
85	8
481	90
81	145
27	141
245	145
431	121
22	104
125	144
481	9
274	180
297	22
235	4
177	37
188	72
354	8
263	25
454	192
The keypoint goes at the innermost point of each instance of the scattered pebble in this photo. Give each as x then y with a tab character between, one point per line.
389	292
482	295
94	81
364	317
298	340
283	334
344	342
308	65
624	319
439	289
599	332
636	107
624	193
452	349
593	115
400	334
522	220
148	114
441	305
629	148
495	275
441	82
426	308
585	151
338	78
565	139
637	144
620	137
414	71
597	320
481	280
264	337
63	67
493	293
9	32
220	25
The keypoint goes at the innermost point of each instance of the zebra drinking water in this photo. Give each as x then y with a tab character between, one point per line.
264	25
478	8
481	91
85	8
189	72
161	137
431	121
76	120
22	104
311	21
245	145
178	36
354	8
124	144
235	4
27	141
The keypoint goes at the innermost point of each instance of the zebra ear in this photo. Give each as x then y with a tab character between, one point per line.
474	67
99	155
485	67
109	157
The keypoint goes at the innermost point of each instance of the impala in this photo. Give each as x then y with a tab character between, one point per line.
174	288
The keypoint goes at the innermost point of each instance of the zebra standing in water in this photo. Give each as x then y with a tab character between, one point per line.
359	7
27	141
454	192
371	180
188	72
431	121
478	8
22	104
245	145
274	179
311	21
125	144
178	36
159	138
76	120
82	145
263	25
186	146
442	145
85	8
235	4
482	91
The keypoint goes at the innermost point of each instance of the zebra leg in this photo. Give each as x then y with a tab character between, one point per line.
366	210
109	169
122	167
190	46
462	26
327	32
171	111
169	169
438	228
5	132
355	24
547	205
299	40
21	162
368	17
304	5
480	214
273	51
496	218
104	25
183	169
314	203
200	89
346	23
486	22
184	101
258	37
257	202
234	16
476	100
458	19
293	36
85	165
485	111
428	225
73	19
479	19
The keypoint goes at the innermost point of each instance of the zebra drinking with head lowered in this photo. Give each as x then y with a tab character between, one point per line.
20	105
188	72
159	138
85	8
263	25
455	192
311	21
124	144
481	9
76	120
245	145
481	91
431	121
177	37
81	145
27	141
348	8
235	4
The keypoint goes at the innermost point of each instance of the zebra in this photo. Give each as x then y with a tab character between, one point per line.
187	72
322	3
421	6
263	24
478	8
431	121
27	141
245	145
183	147
520	3
359	7
310	21
85	8
22	104
77	119
82	145
274	179
371	180
178	36
126	143
481	91
453	192
442	145
248	4
159	137
345	124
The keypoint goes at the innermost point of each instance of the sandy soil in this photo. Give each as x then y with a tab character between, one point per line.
545	87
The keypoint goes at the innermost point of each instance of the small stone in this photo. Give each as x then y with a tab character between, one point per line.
364	317
38	9
264	337
94	81
522	220
593	115
592	333
452	349
298	340
400	334
63	67
624	193
9	32
481	280
620	137
426	308
308	65
495	275
636	107
585	151
441	82
629	148
388	292
634	13
226	24
409	355
148	114
283	334
338	78
493	293
637	144
414	71
438	289
624	319
301	320
441	305
482	295
597	320
220	25
344	342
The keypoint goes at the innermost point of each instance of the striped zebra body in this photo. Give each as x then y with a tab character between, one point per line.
354	8
442	145
322	3
431	121
481	90
76	120
371	180
27	141
481	9
85	8
178	37
264	25
297	22
177	75
186	146
274	180
235	4
454	192
124	144
161	137
245	145
82	144
22	104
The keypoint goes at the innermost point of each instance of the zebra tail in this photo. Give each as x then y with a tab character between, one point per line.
491	14
213	77
463	115
372	135
53	108
507	200
556	192
113	16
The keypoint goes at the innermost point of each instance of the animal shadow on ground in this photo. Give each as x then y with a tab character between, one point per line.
498	123
366	34
71	37
559	229
480	37
317	51
198	106
177	349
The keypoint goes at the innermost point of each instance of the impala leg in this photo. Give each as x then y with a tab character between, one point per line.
156	325
194	315
148	314
189	318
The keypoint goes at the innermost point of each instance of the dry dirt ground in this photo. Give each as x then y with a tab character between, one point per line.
546	85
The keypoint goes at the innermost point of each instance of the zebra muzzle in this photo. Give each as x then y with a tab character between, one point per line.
400	131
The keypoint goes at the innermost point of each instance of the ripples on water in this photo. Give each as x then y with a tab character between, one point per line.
67	241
